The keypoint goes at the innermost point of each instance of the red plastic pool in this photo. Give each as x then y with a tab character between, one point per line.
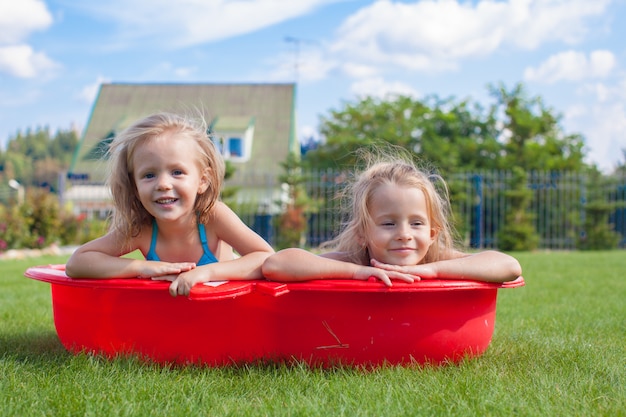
320	322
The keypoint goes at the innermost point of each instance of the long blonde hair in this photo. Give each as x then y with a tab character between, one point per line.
129	215
384	168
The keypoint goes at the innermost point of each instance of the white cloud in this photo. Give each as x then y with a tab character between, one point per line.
23	62
572	66
357	70
378	87
600	115
19	18
600	92
177	23
436	34
308	133
534	22
311	65
605	134
185	72
89	92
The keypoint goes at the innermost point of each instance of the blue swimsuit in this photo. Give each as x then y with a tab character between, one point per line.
207	255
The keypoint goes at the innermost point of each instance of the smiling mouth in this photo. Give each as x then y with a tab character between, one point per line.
167	200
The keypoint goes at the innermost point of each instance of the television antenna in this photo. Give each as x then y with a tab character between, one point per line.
297	44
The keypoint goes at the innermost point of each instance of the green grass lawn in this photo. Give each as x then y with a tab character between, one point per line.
559	349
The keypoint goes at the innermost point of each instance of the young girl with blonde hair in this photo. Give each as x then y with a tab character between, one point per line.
165	176
397	229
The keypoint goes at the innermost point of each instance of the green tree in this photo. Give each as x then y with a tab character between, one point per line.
449	135
292	222
518	232
36	158
598	232
532	136
63	145
514	130
533	140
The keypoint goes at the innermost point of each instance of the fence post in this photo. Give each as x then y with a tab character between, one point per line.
583	203
476	240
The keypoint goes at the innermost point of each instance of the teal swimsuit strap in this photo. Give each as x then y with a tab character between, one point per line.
203	239
152	255
207	255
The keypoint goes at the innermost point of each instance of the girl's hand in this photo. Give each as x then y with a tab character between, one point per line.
157	269
185	281
415	271
365	272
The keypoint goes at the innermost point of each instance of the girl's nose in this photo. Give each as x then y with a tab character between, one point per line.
404	232
163	183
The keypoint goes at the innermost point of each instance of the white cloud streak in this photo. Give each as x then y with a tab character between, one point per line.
436	34
572	66
23	62
18	19
190	22
378	87
89	92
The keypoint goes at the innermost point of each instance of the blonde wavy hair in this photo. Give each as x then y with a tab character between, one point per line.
129	215
391	167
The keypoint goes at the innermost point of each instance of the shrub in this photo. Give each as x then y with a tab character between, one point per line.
40	222
518	232
598	232
13	228
41	213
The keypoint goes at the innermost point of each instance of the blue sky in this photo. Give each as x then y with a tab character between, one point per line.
54	54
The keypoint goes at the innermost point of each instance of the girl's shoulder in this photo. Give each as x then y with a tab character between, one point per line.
222	219
219	212
219	209
143	239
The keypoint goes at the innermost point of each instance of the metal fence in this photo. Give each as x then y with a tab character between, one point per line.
479	202
558	206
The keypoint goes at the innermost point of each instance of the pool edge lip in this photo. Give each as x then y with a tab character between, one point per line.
55	274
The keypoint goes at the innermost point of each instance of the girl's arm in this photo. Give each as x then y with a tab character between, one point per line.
251	247
289	265
101	258
489	266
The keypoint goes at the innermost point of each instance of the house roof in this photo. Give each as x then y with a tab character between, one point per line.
269	107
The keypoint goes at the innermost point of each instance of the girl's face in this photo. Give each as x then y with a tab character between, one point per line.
399	232
168	177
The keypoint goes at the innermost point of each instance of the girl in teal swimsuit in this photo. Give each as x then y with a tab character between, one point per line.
207	255
165	177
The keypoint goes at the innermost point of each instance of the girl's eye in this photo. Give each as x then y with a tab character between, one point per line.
177	172
148	175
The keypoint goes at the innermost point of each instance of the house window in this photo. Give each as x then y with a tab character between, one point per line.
233	137
235	147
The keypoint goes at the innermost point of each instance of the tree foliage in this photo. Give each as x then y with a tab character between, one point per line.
531	135
36	157
292	222
599	233
453	134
